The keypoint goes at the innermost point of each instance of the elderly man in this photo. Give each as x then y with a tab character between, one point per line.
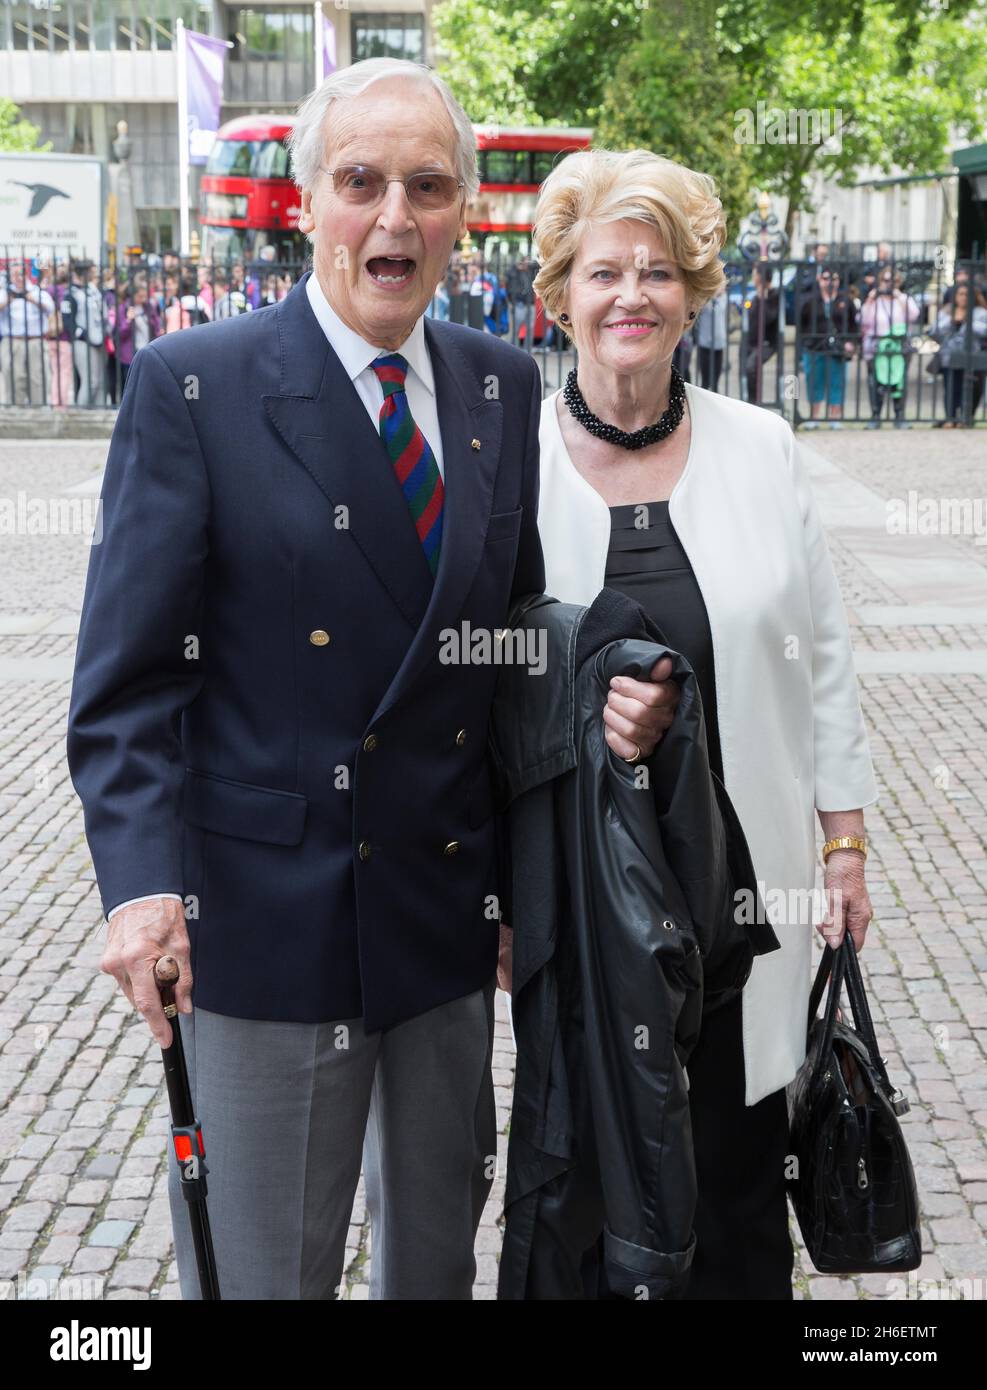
285	787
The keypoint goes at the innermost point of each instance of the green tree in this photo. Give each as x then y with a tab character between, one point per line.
887	104
661	97
897	81
17	135
531	62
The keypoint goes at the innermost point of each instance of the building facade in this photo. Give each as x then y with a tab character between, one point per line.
77	67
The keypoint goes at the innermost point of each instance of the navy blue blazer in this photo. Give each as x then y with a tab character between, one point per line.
260	719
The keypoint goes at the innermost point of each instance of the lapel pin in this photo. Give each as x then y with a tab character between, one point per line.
474	444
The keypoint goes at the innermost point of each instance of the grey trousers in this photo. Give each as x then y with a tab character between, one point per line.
288	1110
89	361
23	371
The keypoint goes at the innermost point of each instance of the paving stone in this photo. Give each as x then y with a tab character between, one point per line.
103	1166
72	1220
60	1249
88	1193
964	1260
28	1216
134	1274
956	1230
115	1233
93	1259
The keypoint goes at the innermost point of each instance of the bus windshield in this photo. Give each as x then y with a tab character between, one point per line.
257	159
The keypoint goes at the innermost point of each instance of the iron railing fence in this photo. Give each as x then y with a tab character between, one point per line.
847	339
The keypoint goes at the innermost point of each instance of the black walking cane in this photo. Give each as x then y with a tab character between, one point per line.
186	1133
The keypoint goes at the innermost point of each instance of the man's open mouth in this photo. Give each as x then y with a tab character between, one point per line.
390	270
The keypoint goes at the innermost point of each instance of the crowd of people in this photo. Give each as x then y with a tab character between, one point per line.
68	333
496	299
841	313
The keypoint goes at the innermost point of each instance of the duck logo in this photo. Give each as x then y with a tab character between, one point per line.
41	195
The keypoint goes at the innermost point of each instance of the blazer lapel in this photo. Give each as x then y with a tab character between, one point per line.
325	424
471	429
321	418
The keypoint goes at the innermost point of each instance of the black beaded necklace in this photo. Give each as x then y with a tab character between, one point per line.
640	439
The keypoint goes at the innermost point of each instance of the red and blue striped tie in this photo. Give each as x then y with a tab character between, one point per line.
413	460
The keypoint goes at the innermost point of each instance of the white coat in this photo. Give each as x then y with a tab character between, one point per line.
791	730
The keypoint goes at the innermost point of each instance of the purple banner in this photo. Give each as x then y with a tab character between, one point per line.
328	47
204	65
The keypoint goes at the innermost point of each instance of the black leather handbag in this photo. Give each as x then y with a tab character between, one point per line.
853	1188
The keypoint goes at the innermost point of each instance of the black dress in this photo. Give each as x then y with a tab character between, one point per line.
743	1249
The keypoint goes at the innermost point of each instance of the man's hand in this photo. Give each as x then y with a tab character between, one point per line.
137	937
505	961
637	713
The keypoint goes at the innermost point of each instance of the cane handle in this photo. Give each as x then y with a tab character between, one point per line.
166	971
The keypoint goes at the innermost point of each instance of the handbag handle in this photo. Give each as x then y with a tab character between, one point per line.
826	964
865	1024
833	963
842	965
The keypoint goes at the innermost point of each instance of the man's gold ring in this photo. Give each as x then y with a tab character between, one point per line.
637	756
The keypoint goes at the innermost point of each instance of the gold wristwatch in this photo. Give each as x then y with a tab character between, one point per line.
844	842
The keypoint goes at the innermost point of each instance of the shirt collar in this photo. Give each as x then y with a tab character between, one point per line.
355	353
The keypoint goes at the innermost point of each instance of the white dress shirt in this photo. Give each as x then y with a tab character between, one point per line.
356	356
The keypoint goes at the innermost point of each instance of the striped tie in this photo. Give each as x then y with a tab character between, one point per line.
413	460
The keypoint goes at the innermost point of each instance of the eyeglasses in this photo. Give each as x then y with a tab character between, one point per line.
428	191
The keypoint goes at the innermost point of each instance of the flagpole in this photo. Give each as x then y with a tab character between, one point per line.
319	44
183	160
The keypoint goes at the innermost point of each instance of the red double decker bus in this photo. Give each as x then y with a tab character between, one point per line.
248	201
513	163
246	198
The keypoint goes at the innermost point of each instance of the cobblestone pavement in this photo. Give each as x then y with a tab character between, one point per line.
84	1118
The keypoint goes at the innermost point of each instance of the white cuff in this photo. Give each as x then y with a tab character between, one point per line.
145	899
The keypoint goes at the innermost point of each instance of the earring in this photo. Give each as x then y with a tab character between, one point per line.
692	314
563	318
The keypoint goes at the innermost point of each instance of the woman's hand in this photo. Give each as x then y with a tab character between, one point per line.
637	713
848	905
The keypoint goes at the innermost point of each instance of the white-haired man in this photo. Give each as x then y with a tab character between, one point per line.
285	787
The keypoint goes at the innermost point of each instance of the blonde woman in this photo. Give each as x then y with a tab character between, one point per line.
699	507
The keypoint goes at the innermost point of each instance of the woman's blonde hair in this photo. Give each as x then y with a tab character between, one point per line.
596	186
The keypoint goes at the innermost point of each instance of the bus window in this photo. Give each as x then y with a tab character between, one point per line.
507	166
230	157
543	162
271	160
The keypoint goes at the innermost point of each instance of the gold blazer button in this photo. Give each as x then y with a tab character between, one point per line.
452	847
319	638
